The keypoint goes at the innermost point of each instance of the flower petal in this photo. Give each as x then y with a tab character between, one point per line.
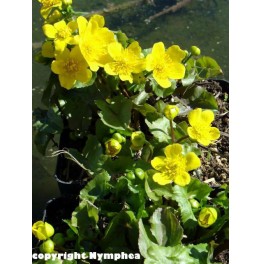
158	163
176	53
135	48
214	133
192	132
83	76
110	68
115	50
72	25
158	50
173	150
192	161
177	71
82	24
60	25
194	116
164	83
66	81
58	67
207	116
182	179
161	179
49	31
60	45
98	19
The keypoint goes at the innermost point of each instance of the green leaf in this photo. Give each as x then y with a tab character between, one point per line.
140	98
41	141
159	127
117	113
165	227
156	254
48	90
197	189
56	261
180	130
124	225
200	253
156	191
187	215
189	78
163	92
92	152
145	109
208	67
199	97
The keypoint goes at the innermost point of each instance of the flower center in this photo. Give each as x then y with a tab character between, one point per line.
175	166
121	67
63	33
201	130
71	66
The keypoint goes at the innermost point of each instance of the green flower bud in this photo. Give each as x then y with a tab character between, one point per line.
59	239
138	139
194	203
195	50
118	137
130	175
113	147
207	217
47	246
171	111
42	230
139	173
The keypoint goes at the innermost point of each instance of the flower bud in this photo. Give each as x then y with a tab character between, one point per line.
113	147
47	246
171	111
195	50
67	2
118	137
207	217
137	140
59	239
54	17
194	203
42	230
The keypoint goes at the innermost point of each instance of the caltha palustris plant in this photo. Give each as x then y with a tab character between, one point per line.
142	116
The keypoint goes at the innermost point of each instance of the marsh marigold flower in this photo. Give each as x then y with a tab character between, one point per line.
94	39
61	33
171	111
166	64
201	129
125	61
71	67
42	230
175	166
48	49
207	217
47	6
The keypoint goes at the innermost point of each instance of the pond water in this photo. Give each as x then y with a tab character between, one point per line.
203	23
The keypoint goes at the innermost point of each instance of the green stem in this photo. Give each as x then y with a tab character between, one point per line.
181	139
172	131
186	59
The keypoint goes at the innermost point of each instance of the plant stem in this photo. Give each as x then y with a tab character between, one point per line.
172	131
182	138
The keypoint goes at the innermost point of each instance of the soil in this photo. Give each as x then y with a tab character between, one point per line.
215	158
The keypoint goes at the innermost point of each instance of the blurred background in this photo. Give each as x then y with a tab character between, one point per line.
203	23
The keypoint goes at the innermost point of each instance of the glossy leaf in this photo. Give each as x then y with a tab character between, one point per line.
117	113
208	67
165	227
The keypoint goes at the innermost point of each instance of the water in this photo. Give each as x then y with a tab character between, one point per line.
203	23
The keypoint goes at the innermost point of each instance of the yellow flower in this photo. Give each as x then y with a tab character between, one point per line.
171	111
61	33
48	49
54	17
201	129
71	66
113	147
94	39
175	166
166	64
207	217
47	6
126	61
42	230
